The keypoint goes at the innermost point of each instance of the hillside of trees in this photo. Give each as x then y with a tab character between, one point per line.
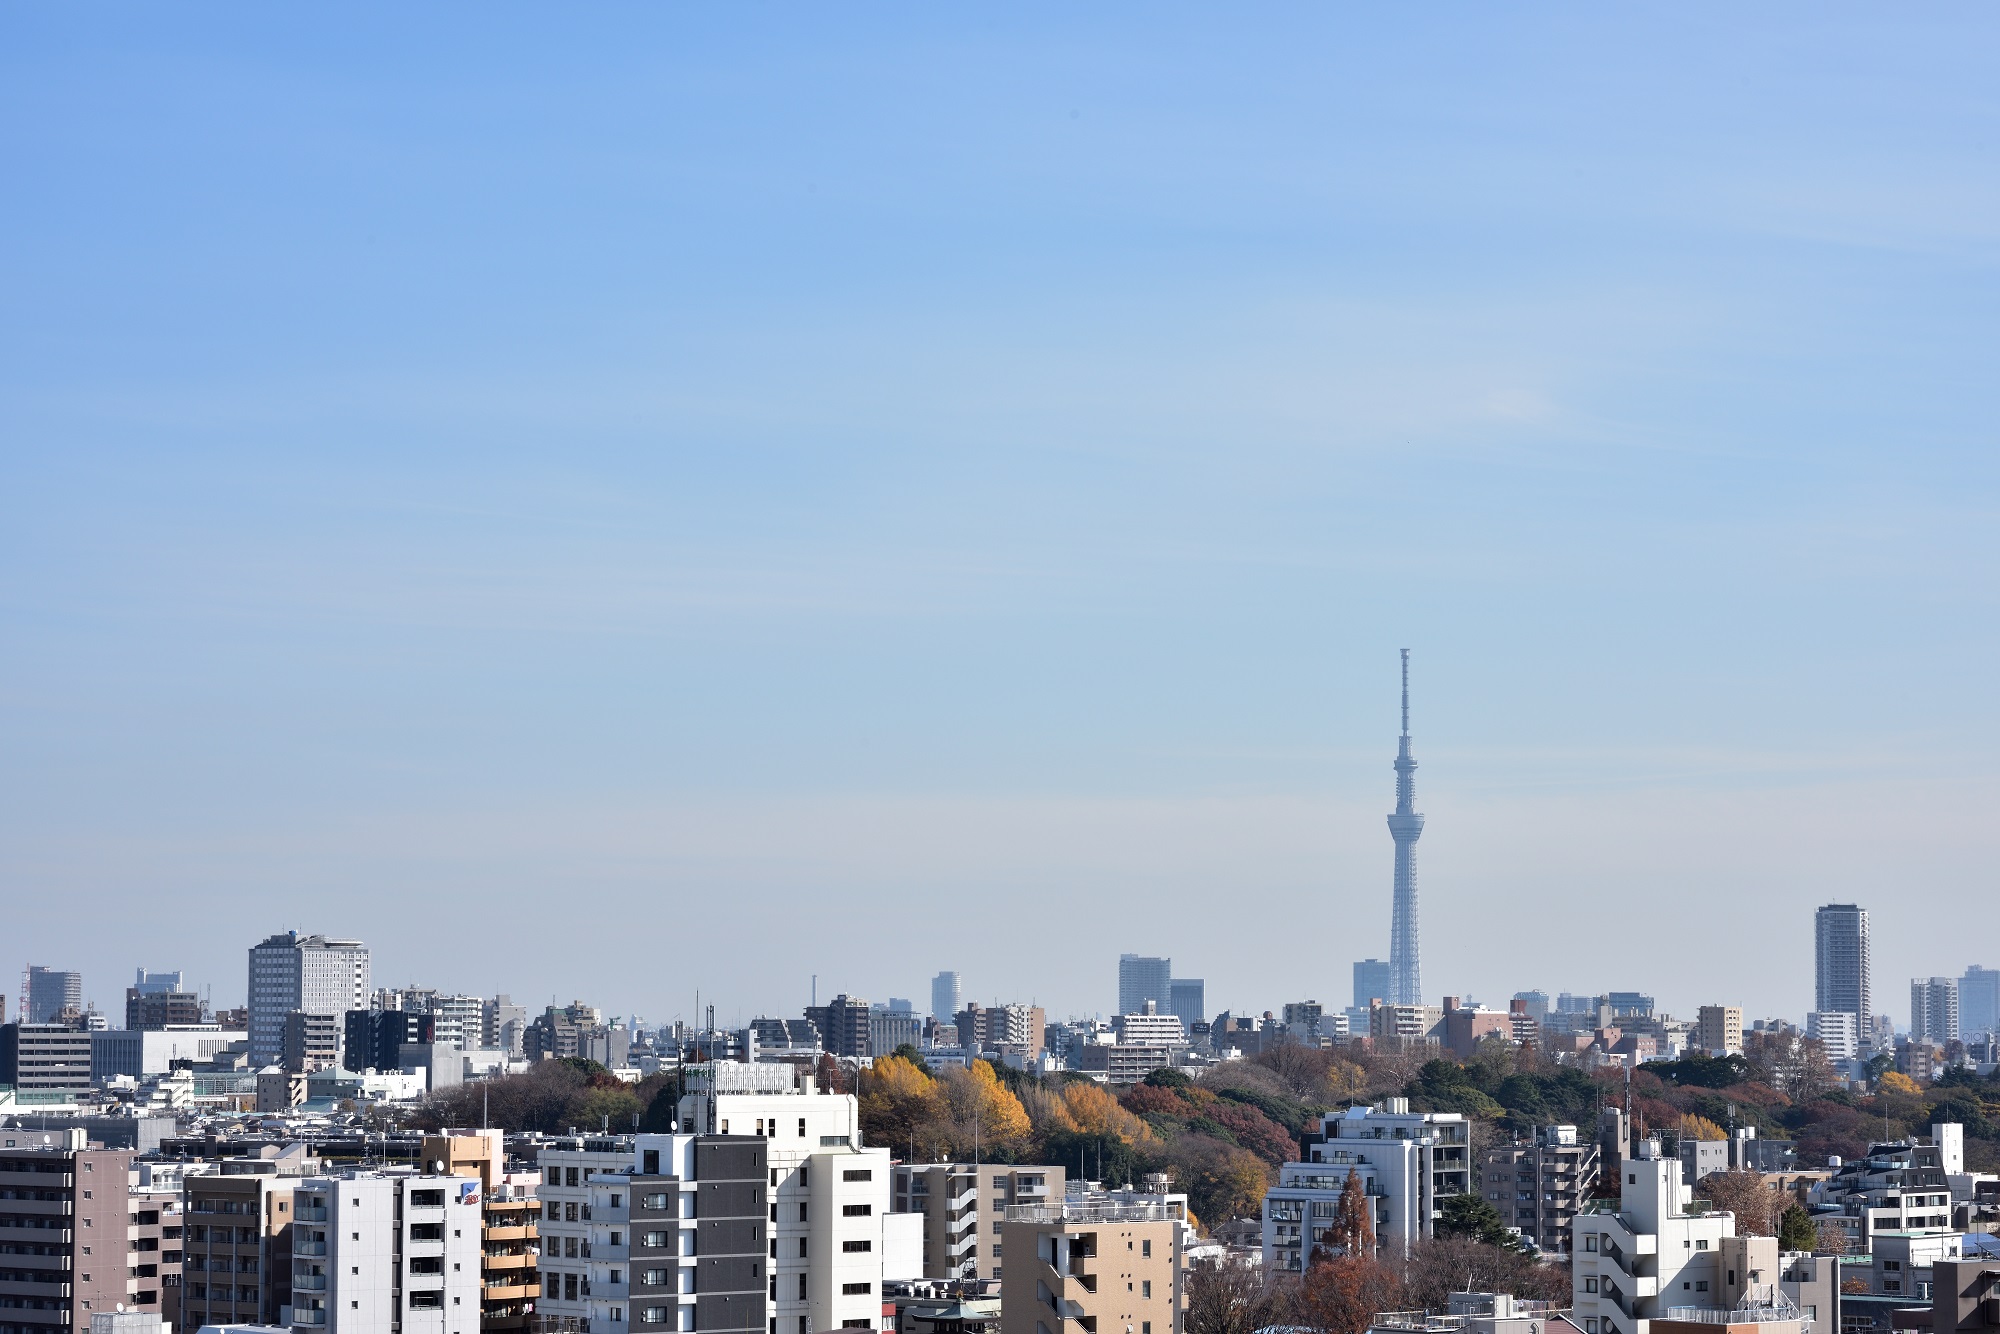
1222	1136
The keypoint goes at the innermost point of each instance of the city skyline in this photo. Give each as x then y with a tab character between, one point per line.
870	467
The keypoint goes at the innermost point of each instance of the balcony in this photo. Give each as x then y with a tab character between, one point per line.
525	1260
508	1232
308	1248
309	1283
309	1216
301	1316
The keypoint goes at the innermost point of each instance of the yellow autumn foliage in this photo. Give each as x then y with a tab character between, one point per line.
1096	1112
1694	1126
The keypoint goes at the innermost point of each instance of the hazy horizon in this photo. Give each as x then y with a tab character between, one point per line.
924	489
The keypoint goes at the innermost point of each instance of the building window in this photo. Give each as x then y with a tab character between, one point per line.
1590	1285
1701	1285
858	1174
1701	1245
848	1210
1146	1247
856	1289
852	1247
1590	1242
1146	1287
802	1127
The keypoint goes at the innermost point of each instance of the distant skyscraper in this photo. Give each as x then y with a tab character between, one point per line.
944	997
1978	1002
1371	982
1406	827
50	992
1190	996
1537	1003
158	984
1933	1009
1841	957
312	974
1141	979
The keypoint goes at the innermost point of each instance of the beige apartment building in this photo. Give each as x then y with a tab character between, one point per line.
1092	1264
964	1206
509	1223
1718	1030
238	1266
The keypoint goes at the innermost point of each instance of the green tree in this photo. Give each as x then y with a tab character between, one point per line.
1796	1231
1471	1216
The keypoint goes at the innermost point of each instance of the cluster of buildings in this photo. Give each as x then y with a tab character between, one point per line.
760	1212
203	1169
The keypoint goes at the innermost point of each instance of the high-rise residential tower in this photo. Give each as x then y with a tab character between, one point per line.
944	997
1934	1009
314	974
1141	979
1840	953
1406	827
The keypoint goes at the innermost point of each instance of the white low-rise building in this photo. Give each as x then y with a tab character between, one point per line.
1662	1255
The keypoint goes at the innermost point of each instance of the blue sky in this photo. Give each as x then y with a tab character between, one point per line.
909	489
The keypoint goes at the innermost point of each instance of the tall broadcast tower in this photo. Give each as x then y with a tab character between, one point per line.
1406	827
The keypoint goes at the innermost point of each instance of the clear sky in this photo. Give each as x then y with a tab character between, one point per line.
618	502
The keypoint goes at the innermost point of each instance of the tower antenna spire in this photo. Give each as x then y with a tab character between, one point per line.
1406	692
1406	826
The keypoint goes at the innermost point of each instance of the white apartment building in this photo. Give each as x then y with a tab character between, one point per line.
380	1253
1837	1032
1150	1028
315	974
833	1240
1409	1163
1662	1255
459	1020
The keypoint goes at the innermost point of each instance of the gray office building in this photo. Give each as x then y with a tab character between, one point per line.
1978	1002
293	972
1190	1001
1840	953
50	992
1142	978
1371	982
